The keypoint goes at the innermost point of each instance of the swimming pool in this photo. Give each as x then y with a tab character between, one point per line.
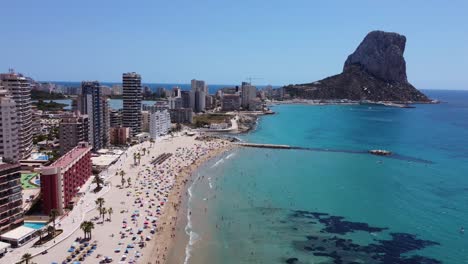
35	225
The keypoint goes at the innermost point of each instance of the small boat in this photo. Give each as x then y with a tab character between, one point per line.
380	152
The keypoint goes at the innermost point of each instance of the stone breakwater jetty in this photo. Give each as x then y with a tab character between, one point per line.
256	145
369	152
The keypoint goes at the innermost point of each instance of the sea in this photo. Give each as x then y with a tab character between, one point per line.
330	201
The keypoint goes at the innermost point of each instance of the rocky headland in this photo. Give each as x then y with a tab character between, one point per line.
376	71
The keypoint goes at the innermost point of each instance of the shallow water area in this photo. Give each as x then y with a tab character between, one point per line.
302	206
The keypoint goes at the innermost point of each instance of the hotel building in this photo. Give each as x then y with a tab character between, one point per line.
160	123
62	180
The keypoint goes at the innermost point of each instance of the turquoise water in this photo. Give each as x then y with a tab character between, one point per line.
262	204
35	225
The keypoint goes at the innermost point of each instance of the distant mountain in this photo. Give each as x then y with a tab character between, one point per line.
375	71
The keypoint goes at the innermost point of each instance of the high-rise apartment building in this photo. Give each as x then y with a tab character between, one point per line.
185	99
19	88
105	122
249	92
11	199
73	130
91	104
9	150
176	92
198	95
131	116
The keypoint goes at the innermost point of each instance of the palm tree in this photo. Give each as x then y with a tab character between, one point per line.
103	212
87	226
122	181
26	258
129	181
50	231
151	142
99	202
53	215
98	181
144	151
110	212
83	226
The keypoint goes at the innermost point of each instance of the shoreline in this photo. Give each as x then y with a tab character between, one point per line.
174	218
396	104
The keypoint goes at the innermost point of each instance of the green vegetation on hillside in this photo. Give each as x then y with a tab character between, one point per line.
48	106
42	95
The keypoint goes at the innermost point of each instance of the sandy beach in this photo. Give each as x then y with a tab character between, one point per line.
145	209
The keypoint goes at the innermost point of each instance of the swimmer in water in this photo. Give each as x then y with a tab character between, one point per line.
462	230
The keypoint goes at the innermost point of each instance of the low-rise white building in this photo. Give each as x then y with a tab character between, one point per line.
160	123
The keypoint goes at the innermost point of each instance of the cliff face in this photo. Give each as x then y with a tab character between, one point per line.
375	71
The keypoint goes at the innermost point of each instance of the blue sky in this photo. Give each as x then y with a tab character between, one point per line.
224	42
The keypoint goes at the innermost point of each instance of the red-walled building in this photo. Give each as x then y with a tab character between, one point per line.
62	180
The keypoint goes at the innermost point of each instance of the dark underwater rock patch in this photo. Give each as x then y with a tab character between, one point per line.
327	243
292	260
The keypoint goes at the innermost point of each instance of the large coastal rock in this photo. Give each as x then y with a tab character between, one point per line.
375	71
